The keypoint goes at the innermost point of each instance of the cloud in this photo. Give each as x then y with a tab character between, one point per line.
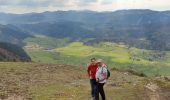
142	4
6	2
45	3
107	1
22	6
84	2
34	3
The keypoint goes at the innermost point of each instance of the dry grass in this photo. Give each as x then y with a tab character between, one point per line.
34	81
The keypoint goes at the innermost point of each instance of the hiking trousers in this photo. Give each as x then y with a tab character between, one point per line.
100	90
93	85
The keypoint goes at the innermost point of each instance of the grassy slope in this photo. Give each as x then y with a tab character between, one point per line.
50	82
116	56
47	42
38	81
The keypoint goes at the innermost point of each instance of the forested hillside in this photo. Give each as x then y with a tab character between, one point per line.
10	52
145	29
12	34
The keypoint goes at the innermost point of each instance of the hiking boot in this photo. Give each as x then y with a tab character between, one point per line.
93	98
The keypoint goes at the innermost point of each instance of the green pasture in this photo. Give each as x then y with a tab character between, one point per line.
117	56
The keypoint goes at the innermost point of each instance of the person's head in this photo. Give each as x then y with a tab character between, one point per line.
99	61
93	60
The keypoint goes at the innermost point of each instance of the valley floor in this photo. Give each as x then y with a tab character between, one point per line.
35	81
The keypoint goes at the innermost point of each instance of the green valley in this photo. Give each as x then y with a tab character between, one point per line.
117	56
44	56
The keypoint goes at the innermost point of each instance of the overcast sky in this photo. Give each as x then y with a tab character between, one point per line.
25	6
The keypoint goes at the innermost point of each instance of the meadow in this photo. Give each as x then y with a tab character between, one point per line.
116	56
58	72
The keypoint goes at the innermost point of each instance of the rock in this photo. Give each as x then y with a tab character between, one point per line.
167	78
153	92
126	73
152	87
14	97
114	85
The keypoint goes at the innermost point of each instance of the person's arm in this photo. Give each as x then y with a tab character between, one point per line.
97	76
104	74
88	70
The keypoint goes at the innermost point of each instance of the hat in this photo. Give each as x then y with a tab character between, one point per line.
99	60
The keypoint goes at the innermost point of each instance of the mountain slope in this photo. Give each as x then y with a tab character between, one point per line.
61	29
140	28
12	34
10	52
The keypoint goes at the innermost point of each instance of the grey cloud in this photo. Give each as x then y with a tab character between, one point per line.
85	2
44	3
27	3
33	3
88	1
6	2
107	1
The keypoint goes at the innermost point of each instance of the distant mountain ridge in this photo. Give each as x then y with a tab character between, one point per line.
78	16
140	28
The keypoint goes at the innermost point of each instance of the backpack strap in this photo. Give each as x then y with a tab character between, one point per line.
102	69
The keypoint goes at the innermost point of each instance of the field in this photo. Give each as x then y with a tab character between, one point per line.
117	56
35	81
58	72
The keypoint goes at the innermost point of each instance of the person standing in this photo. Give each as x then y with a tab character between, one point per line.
91	70
101	76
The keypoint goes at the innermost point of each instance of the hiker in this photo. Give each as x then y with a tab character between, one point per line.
101	76
91	69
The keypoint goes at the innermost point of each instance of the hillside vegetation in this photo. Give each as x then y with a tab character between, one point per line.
134	44
12	34
117	56
144	29
34	81
11	52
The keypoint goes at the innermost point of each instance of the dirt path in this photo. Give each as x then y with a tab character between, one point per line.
154	92
14	97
